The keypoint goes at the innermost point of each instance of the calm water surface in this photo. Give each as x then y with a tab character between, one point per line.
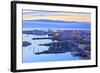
30	56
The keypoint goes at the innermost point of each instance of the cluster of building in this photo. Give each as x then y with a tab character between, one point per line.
75	41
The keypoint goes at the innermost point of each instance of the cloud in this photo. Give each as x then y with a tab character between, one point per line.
52	13
56	15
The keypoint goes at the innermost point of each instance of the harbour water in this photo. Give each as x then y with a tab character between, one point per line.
29	55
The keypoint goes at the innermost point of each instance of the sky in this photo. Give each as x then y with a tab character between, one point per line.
56	15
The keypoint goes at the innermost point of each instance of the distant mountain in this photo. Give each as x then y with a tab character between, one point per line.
55	24
46	20
55	21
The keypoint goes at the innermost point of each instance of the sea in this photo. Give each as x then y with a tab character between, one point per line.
29	55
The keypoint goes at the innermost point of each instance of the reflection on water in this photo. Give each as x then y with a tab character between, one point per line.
29	51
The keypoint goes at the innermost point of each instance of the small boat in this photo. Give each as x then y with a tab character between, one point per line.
26	43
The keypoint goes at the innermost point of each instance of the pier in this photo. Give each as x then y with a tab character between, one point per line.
42	38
